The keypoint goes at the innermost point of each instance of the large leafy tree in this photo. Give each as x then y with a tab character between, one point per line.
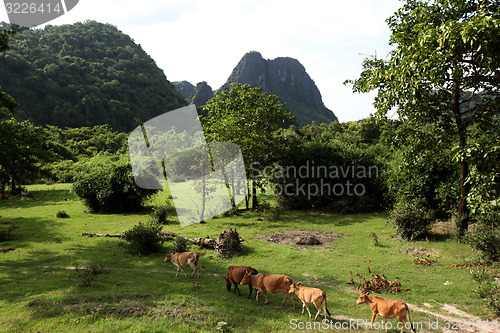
23	151
7	103
444	69
248	117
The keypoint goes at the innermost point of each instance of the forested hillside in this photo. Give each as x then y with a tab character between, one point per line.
84	74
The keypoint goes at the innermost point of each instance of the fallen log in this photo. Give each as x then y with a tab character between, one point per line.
93	234
228	243
7	249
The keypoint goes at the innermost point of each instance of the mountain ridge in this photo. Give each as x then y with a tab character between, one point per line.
282	76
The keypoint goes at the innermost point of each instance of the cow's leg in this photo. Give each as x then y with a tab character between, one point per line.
250	288
401	319
293	300
286	297
308	310
373	318
317	305
179	267
236	289
194	266
257	295
265	294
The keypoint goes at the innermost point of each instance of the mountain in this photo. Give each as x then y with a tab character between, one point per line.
198	95
287	78
84	74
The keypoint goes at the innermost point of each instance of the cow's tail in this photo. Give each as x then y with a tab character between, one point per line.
324	303
409	318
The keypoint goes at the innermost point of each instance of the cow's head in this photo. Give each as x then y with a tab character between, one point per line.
246	278
294	287
363	297
168	257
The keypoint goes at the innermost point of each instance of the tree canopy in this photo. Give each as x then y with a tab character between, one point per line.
84	74
444	69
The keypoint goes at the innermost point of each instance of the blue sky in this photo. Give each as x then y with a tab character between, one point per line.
201	40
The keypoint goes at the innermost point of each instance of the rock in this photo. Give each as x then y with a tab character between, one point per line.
308	240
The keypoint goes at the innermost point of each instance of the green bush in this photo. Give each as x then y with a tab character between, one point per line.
6	230
62	214
144	238
485	237
331	176
488	289
410	220
180	245
106	184
160	213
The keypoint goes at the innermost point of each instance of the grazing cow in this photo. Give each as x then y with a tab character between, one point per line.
387	309
183	259
3	197
26	194
310	295
273	283
235	275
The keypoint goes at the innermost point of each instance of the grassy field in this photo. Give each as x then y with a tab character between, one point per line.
56	280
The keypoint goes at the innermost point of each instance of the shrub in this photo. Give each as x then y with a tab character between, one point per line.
86	275
488	289
5	231
329	176
180	245
485	237
144	238
62	214
160	213
410	220
106	184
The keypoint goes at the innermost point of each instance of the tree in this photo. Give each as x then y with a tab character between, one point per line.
444	70
248	117
7	103
23	150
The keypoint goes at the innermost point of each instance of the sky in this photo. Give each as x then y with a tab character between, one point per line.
202	40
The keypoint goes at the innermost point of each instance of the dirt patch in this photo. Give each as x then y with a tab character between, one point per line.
460	321
301	238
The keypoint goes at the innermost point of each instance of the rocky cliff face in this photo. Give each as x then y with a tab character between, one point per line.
198	95
287	78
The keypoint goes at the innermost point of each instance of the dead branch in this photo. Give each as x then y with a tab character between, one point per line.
7	249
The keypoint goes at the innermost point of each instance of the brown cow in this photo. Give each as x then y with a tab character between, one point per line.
273	283
235	275
310	295
183	259
26	194
387	309
3	197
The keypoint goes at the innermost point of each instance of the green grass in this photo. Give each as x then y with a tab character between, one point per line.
58	280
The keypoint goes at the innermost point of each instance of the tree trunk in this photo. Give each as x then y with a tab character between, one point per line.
254	195
463	208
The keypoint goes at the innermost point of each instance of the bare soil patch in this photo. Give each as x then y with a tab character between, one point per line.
299	238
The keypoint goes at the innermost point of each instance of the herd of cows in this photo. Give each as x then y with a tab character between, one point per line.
274	283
